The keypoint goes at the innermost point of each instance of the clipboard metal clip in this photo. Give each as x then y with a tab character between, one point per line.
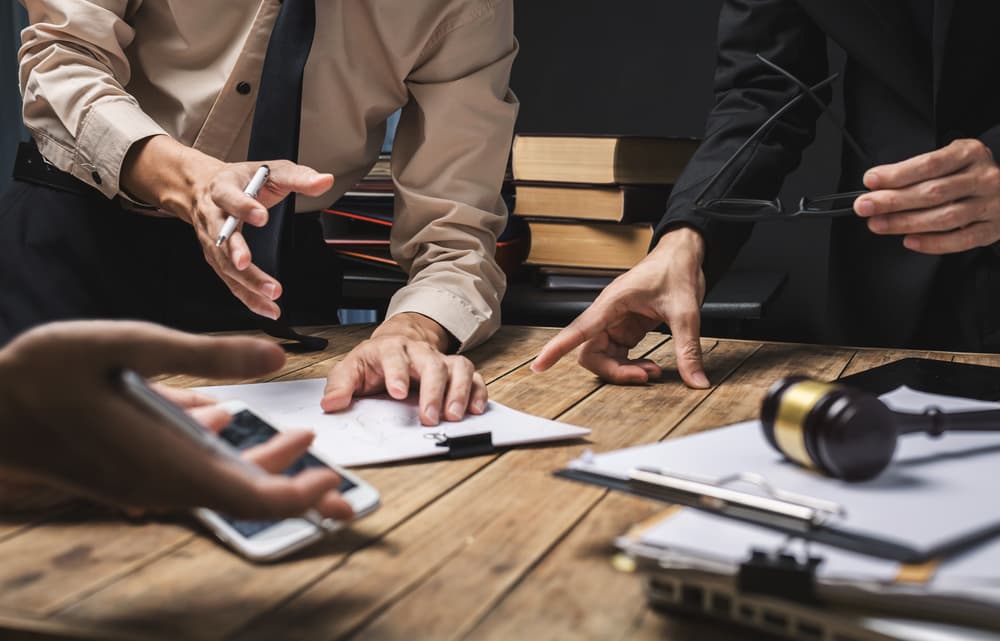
781	575
791	511
465	445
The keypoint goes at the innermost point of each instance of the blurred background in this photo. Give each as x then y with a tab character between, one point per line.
623	67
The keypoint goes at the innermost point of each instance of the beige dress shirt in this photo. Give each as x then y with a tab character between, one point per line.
99	75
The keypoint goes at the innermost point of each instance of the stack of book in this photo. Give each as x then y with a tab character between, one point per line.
358	227
591	202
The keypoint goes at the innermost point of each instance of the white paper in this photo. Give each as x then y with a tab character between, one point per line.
379	429
935	490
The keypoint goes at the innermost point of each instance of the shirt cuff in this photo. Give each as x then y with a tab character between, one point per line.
108	130
469	326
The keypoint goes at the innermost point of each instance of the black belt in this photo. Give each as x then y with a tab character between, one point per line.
31	167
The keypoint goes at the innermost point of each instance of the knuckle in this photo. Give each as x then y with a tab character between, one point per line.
690	350
992	176
934	191
976	149
953	216
931	165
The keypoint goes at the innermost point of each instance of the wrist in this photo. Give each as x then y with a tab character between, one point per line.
416	327
682	238
166	173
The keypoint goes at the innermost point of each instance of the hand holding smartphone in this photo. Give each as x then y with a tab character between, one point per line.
256	540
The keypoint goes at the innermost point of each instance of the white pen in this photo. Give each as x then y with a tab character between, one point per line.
252	189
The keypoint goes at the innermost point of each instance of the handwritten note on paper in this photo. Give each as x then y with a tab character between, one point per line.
379	429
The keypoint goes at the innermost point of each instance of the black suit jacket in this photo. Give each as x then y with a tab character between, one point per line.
903	96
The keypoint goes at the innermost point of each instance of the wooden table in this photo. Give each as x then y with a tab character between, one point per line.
485	549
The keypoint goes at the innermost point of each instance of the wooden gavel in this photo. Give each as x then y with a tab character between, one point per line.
847	433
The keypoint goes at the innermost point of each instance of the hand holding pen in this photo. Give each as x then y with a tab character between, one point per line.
241	194
205	192
252	189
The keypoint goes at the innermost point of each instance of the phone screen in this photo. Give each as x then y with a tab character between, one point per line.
248	430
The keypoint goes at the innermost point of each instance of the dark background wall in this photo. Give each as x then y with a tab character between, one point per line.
642	67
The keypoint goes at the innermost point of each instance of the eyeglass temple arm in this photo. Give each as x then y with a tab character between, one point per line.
823	106
756	135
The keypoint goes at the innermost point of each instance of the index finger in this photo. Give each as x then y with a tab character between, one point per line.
934	164
235	202
587	325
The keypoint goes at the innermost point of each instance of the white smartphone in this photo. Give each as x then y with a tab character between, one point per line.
269	540
256	540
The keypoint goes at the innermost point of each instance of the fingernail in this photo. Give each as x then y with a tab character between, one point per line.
911	243
478	406
455	410
700	380
269	289
432	415
871	179
397	390
865	207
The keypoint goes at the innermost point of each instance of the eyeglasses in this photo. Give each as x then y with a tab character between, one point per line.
749	209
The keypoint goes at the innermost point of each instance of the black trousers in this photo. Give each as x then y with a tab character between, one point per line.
80	256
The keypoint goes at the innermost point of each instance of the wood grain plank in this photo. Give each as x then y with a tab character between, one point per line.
514	511
865	359
78	552
990	360
575	584
740	398
209	577
29	628
508	349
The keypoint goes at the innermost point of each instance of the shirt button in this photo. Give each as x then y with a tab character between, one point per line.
243	87
96	176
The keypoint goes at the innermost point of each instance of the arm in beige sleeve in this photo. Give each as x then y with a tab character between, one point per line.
448	161
73	73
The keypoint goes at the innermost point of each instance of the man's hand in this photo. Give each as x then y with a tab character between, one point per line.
668	286
204	192
942	202
408	347
64	422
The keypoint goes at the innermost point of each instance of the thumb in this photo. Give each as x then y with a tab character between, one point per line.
300	179
151	349
685	328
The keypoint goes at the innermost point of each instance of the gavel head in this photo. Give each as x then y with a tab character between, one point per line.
836	430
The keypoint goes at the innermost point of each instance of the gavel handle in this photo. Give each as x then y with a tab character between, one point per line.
935	422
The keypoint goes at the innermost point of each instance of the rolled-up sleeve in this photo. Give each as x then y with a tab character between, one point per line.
73	73
448	162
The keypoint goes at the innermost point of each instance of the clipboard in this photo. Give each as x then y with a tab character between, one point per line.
749	482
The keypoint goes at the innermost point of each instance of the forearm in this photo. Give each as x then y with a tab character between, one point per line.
163	172
73	76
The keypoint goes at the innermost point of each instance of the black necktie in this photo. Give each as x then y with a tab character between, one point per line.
275	135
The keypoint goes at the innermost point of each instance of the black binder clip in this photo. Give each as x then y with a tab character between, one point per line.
466	445
780	575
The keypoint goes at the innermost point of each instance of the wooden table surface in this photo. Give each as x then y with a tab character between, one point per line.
485	549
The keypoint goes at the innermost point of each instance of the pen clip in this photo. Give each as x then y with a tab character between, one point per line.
795	511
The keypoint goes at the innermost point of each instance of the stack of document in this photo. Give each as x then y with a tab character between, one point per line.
920	541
